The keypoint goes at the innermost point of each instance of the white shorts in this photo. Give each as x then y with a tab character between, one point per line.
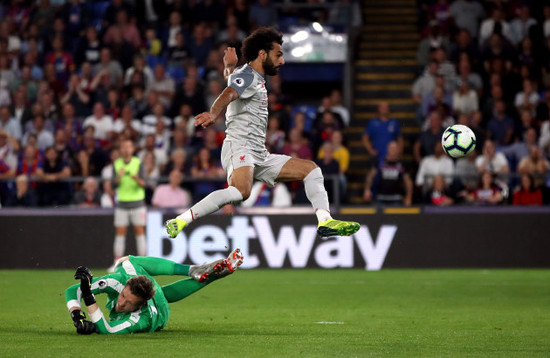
266	166
135	216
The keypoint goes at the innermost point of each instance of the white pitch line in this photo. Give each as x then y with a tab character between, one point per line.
324	322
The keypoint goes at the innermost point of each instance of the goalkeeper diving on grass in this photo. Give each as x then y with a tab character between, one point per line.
137	303
244	155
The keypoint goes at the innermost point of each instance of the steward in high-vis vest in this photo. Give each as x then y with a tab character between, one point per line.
129	183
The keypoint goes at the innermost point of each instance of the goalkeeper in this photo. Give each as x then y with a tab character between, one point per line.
136	301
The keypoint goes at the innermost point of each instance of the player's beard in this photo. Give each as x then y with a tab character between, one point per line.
269	68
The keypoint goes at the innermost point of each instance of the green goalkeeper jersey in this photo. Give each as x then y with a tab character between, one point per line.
151	317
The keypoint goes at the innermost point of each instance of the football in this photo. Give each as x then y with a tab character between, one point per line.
458	141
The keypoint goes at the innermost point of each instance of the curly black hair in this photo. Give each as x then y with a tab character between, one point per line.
261	39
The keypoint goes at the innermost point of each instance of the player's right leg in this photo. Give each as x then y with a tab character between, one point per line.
240	184
202	275
310	173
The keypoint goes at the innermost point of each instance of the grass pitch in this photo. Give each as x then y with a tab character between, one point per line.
285	313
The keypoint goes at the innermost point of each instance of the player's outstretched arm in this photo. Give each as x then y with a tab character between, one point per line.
206	119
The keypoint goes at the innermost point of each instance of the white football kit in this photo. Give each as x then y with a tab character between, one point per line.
246	121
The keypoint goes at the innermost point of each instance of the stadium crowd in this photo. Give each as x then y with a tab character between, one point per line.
78	77
485	64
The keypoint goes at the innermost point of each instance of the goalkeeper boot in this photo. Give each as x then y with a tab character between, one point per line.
231	263
201	273
174	227
333	227
218	268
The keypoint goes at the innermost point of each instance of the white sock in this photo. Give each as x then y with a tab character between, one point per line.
211	203
141	245
314	185
120	243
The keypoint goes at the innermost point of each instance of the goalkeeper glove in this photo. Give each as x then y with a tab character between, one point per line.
85	276
82	326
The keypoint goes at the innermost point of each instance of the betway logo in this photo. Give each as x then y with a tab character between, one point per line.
205	243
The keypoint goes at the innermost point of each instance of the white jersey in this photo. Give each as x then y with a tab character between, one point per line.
246	117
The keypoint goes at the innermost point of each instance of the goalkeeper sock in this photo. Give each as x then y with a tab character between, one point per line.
181	289
314	185
211	203
120	243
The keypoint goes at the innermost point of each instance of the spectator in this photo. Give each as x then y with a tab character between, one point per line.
466	15
465	74
275	137
466	175
297	146
24	195
8	149
337	106
53	191
92	158
389	183
108	196
439	193
189	93
464	45
9	124
215	88
163	85
380	132
435	39
175	27
340	152
520	25
330	168
76	96
527	193
44	137
465	99
528	98
179	54
495	24
122	51
62	60
112	67
89	196
262	13
128	122
139	67
500	128
492	161
137	102
432	165
425	84
488	192
151	175
72	126
159	153
171	195
205	167
102	123
6	172
428	138
534	164
126	28
438	99
178	160
89	47
153	46
201	43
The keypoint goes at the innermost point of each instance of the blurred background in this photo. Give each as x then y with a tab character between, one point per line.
368	88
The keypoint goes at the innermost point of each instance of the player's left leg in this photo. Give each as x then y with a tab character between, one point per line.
310	173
